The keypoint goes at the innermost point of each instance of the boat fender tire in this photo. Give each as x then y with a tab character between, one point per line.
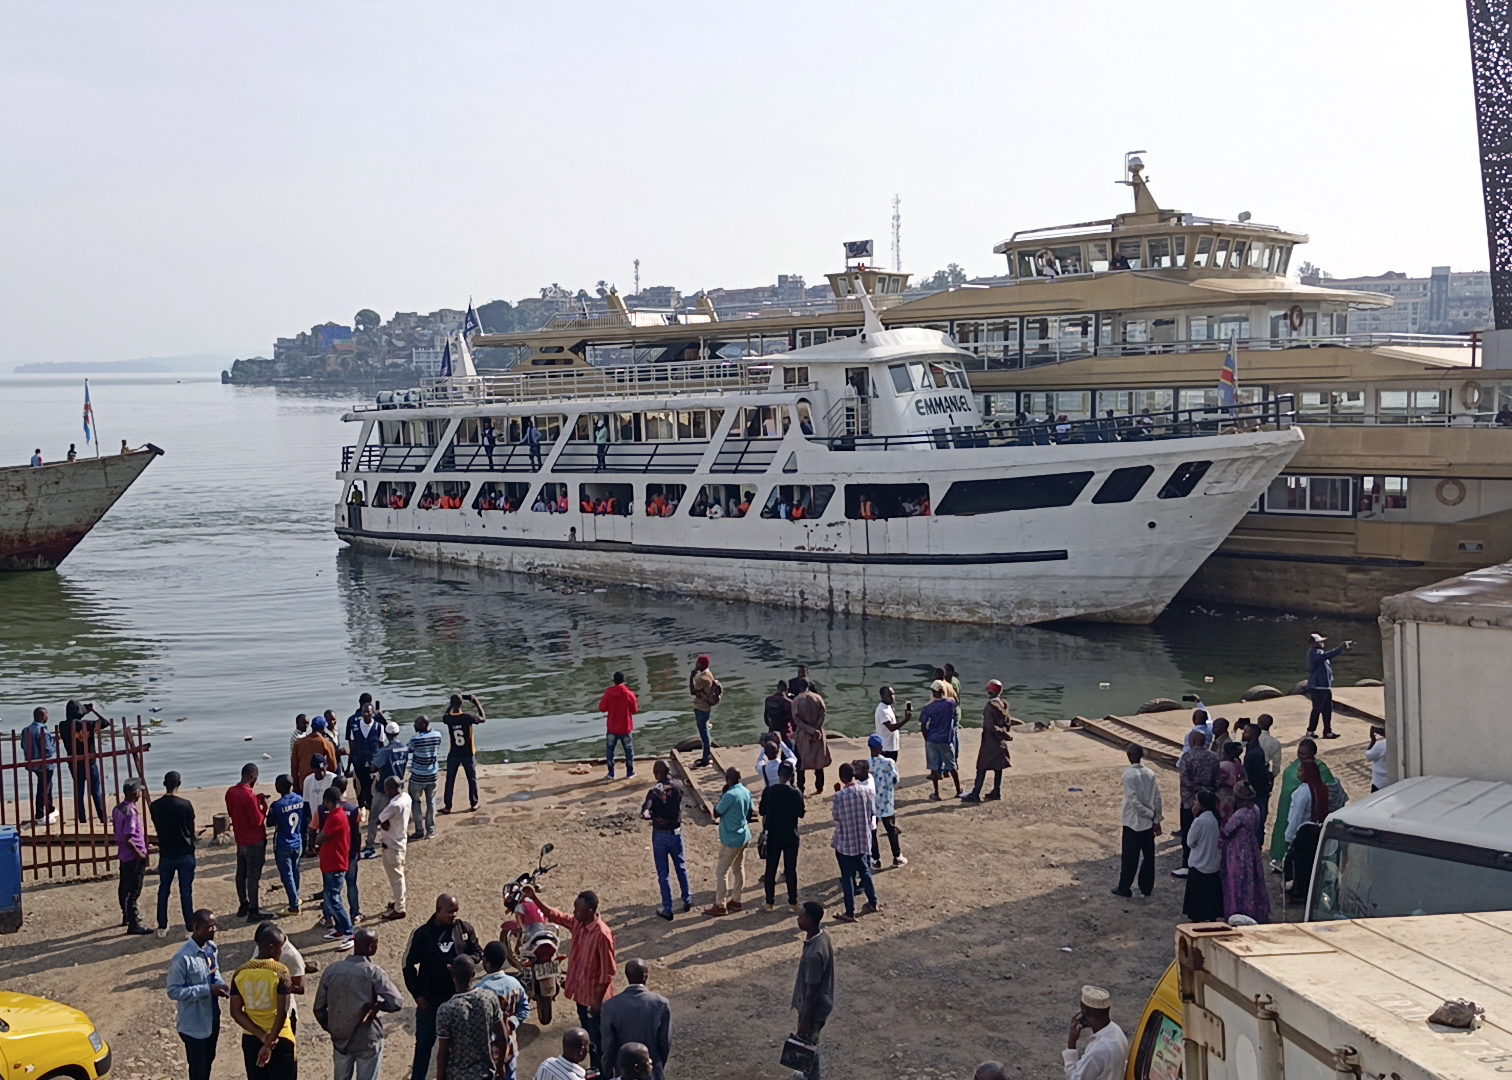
1471	395
1450	492
1294	317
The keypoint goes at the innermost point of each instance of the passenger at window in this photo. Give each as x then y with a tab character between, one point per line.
745	505
601	442
1062	428
1120	262
868	511
784	508
715	510
1045	264
539	506
806	425
532	442
1504	416
561	506
490	437
732	505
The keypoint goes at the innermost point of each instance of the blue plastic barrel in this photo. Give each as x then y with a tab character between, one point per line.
10	879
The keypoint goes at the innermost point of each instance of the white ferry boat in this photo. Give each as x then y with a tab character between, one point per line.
854	476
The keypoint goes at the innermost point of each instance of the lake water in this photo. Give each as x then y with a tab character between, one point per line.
216	592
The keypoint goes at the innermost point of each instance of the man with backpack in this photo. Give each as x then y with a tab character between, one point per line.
706	691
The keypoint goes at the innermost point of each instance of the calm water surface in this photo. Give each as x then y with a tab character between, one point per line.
216	592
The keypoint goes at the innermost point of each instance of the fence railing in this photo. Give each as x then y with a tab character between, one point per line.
71	837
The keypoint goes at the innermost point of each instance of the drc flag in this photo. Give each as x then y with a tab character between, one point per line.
88	415
1228	378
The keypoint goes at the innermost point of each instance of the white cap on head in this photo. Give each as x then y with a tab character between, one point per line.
938	686
1095	997
391	728
1318	639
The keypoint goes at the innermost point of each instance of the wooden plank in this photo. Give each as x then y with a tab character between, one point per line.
1113	730
690	782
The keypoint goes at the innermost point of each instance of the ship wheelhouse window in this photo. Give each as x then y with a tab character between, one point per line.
761	422
1127	255
1203	255
393	494
410	432
551	499
1183	480
662	499
508	497
514	427
1123	484
968	497
794	377
715	501
1097	256
1159	248
901	380
613	500
798	502
444	495
876	502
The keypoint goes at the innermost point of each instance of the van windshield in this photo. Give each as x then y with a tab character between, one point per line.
1384	875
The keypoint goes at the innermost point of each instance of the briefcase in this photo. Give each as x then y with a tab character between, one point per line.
797	1054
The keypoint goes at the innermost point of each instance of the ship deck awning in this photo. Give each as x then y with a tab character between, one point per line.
1289	291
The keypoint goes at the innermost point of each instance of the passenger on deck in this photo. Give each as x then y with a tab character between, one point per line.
1120	262
561	504
611	505
1504	416
745	505
1145	423
588	507
799	512
784	508
539	506
715	510
1062	428
924	507
868	511
805	425
731	505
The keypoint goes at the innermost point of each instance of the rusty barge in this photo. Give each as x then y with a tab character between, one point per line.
46	510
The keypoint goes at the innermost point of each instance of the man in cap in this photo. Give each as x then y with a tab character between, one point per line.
302	757
394	820
938	719
1107	1051
1320	683
992	755
391	760
706	691
313	790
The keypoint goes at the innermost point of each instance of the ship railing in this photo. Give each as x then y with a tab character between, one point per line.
1466	419
376	458
1003	355
568	384
1270	415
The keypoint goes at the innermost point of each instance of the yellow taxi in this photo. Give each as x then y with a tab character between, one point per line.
41	1039
1155	1051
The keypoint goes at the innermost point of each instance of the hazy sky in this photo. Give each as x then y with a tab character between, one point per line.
184	177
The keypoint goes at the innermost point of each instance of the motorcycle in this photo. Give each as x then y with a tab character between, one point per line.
533	945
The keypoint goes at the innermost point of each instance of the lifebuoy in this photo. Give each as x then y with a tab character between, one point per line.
1471	395
1445	486
1294	317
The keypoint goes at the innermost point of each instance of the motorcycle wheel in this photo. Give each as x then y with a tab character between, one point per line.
543	1010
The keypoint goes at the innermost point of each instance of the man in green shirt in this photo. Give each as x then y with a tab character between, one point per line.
1307	750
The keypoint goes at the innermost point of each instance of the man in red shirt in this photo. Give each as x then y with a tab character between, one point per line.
249	825
619	702
590	962
335	843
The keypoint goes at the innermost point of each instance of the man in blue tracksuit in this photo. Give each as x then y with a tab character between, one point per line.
1320	684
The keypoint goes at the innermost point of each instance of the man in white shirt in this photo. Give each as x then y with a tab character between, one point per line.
887	724
1141	824
1271	745
1107	1052
394	821
771	757
1375	753
570	1065
314	794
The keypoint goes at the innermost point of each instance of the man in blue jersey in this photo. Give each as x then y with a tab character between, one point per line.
424	747
364	736
290	819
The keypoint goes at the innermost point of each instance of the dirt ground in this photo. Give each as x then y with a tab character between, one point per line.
1001	914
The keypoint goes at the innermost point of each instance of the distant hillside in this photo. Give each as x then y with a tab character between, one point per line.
191	363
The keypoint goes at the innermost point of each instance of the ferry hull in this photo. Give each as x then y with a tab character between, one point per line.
45	512
1120	562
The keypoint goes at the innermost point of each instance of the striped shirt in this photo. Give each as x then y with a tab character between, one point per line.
854	808
559	1069
424	746
590	963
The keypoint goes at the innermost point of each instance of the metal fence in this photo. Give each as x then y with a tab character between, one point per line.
62	805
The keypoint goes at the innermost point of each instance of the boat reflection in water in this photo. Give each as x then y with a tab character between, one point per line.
540	652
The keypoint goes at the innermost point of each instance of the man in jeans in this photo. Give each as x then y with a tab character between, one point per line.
424	747
40	748
663	808
195	983
173	821
290	817
249	825
335	844
348	1002
620	705
706	691
854	807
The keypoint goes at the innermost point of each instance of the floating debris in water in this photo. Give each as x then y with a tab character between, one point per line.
267	757
246	738
1207	678
156	708
179	719
1103	685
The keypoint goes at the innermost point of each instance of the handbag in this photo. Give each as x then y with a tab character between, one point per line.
761	845
797	1054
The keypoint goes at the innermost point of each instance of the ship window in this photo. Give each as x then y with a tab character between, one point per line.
867	502
587	425
1401	406
761	422
693	425
812	337
1073	404
798	502
1236	260
1160	252
662	499
795	376
1184	479
968	497
1220	254
1329	495
1123	484
1203	256
508	497
1097	256
1128	255
1130	402
660	427
551	499
1026	267
627	427
393	494
1069	259
715	501
550	428
1178	251
1283	259
1233	326
611	500
443	495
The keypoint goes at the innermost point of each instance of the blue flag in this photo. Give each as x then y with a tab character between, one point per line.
1228	378
88	415
446	361
472	324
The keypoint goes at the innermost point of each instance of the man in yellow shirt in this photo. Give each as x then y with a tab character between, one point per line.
260	1006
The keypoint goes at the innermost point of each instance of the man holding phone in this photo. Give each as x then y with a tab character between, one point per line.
1375	754
1108	1050
462	748
1320	683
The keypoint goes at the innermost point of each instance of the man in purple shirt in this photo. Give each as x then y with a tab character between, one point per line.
854	809
131	847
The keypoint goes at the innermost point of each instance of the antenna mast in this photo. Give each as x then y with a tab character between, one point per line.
637	277
897	235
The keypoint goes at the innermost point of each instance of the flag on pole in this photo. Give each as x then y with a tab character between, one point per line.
472	324
858	249
446	363
88	415
1228	378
